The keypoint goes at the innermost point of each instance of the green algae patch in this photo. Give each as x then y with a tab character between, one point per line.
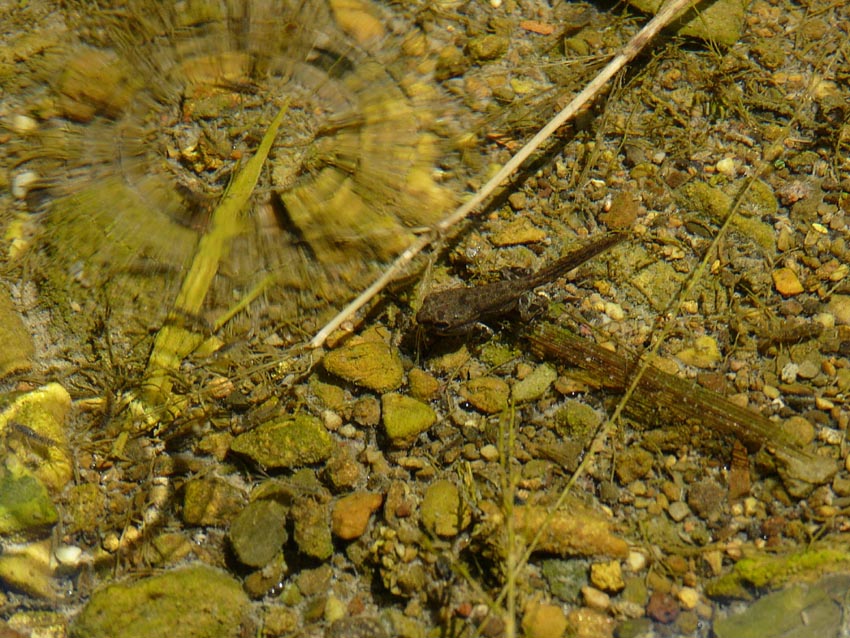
721	22
194	602
773	572
290	442
758	202
24	502
405	418
799	610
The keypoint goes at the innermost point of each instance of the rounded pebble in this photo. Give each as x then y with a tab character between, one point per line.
678	511
22	182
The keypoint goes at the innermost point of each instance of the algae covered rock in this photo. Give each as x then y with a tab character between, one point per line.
535	384
405	418
211	501
24	502
35	431
487	394
194	602
288	442
18	348
258	532
443	511
368	362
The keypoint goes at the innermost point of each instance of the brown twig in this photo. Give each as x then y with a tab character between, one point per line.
664	16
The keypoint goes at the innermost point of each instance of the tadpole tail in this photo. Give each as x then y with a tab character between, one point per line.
578	256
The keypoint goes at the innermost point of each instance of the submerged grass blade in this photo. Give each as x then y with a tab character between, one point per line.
176	340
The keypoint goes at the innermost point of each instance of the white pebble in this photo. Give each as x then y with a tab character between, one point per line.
636	561
726	167
68	555
23	124
21	183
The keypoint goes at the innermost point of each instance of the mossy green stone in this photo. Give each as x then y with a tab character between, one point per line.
405	418
289	442
24	502
194	602
371	364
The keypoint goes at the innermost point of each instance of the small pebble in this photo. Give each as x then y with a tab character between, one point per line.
689	597
595	599
726	166
23	124
636	561
351	514
839	307
608	576
615	311
678	511
68	555
489	453
786	281
22	182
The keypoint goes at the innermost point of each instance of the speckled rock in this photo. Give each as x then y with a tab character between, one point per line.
405	418
520	231
368	362
634	463
351	514
288	442
443	512
258	532
357	627
787	282
28	570
194	602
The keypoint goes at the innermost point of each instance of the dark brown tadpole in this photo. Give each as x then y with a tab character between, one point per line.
457	310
